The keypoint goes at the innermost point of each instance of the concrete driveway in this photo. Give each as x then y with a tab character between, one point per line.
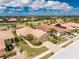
52	46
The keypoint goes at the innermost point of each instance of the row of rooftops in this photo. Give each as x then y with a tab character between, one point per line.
58	27
11	19
41	30
4	35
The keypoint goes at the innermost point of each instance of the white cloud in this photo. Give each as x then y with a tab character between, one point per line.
58	5
2	7
36	4
14	3
51	5
26	1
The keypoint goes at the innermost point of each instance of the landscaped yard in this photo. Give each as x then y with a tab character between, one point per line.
31	52
9	54
35	42
32	40
53	40
57	41
47	56
18	24
67	44
61	40
77	31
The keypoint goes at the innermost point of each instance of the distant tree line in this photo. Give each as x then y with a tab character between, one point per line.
52	19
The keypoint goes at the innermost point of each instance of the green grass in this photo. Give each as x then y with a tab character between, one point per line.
61	40
53	40
32	52
78	31
48	55
67	44
57	41
36	22
35	42
10	53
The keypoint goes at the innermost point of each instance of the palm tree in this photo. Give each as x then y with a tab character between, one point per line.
52	32
14	28
29	37
8	44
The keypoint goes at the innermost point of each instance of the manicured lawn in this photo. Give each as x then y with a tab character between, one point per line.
30	23
61	40
67	44
57	41
77	31
20	24
9	54
36	22
32	52
53	40
47	56
35	42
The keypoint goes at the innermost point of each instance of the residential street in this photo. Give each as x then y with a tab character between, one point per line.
70	52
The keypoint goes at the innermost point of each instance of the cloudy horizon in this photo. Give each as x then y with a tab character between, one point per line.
39	7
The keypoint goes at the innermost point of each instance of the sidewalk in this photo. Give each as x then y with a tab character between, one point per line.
64	43
43	54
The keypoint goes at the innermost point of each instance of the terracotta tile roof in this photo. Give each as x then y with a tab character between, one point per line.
4	35
64	27
27	30
43	27
71	25
38	33
60	30
24	31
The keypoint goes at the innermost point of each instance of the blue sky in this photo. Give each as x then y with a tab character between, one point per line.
39	7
